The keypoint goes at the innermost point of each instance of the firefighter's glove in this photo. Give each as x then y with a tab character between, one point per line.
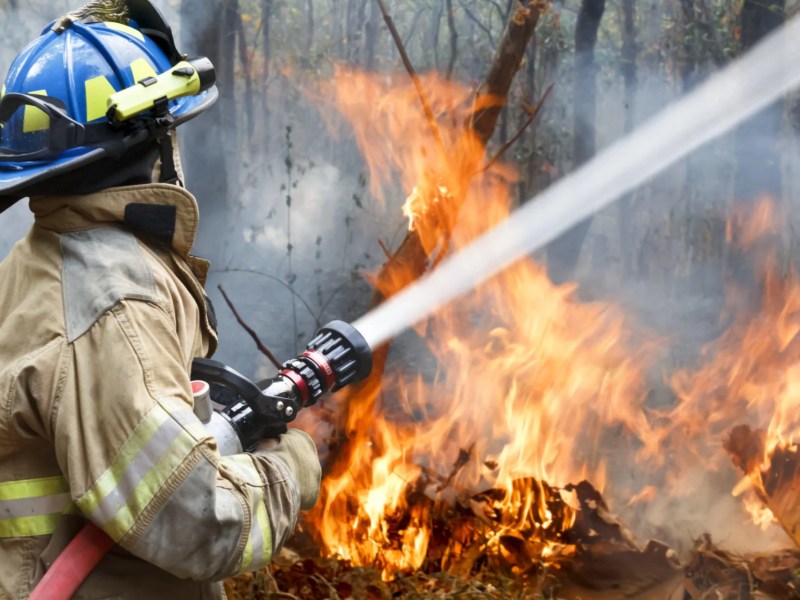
297	450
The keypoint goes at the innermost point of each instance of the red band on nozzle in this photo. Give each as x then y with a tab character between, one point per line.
327	370
299	383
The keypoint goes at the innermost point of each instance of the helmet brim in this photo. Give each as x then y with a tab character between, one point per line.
15	179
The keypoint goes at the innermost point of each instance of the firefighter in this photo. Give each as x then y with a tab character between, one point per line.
102	311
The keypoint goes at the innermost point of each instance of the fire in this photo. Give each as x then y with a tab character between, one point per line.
750	375
525	382
520	388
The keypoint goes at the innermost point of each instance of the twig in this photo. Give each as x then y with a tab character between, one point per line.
426	107
533	114
326	583
385	249
261	347
277	593
277	280
477	22
462	460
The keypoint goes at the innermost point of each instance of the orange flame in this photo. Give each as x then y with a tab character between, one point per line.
525	381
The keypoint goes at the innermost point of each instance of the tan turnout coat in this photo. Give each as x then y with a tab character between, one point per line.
98	330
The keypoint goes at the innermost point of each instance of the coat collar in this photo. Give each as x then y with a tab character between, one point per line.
114	206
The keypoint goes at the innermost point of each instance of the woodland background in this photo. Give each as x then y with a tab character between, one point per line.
287	217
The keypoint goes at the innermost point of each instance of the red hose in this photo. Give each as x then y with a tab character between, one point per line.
73	565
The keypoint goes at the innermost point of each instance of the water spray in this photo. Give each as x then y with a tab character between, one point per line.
742	89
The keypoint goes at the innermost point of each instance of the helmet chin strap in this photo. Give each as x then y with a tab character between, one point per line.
170	168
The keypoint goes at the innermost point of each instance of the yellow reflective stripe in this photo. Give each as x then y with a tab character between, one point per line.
34	119
258	549
29	526
242	465
144	463
149	487
108	480
125	29
254	549
33	488
142	69
21	500
262	519
98	89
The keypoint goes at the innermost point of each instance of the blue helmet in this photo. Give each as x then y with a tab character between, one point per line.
62	103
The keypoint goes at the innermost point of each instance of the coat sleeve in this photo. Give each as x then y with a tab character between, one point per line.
143	468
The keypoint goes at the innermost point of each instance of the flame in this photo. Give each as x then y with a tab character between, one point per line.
522	387
522	382
750	375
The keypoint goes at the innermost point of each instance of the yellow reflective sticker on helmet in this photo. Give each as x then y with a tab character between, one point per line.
34	119
142	69
125	29
98	89
2	92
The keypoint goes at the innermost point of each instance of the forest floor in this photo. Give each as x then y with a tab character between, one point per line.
710	573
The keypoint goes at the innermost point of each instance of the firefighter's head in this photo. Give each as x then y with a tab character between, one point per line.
94	101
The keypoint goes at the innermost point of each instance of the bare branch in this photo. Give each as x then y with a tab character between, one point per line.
426	107
532	114
477	21
261	347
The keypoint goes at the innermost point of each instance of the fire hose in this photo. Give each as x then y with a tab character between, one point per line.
240	414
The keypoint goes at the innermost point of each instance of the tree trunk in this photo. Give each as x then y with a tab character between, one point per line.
351	32
309	24
371	39
758	164
336	28
687	46
505	65
227	82
563	253
244	58
436	26
527	184
206	175
757	157
451	25
629	54
266	20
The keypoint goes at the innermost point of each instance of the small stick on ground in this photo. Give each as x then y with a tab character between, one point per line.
261	347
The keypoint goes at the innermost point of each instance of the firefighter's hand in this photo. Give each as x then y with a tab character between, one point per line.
297	450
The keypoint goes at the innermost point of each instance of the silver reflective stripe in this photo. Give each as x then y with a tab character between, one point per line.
31	507
141	467
27	507
132	476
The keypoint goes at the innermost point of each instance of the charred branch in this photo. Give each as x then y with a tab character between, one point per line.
507	60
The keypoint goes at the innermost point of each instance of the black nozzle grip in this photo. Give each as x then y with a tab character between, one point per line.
346	351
